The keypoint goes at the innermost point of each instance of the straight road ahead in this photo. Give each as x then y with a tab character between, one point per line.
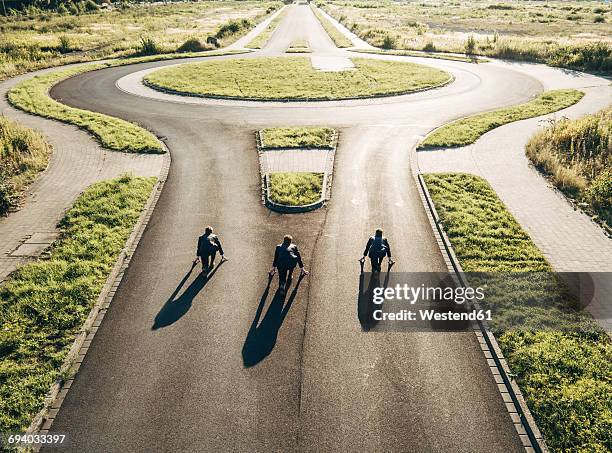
185	364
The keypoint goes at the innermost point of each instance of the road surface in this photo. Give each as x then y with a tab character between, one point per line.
185	364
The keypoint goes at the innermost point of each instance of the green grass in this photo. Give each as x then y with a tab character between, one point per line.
338	38
23	154
297	137
45	39
32	96
564	369
44	304
414	53
575	154
293	78
296	189
467	130
262	38
299	46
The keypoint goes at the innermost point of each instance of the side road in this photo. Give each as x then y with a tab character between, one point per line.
76	163
567	237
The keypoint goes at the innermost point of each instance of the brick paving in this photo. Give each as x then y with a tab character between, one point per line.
569	239
296	160
77	162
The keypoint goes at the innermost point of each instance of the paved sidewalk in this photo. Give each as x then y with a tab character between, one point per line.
296	160
569	239
77	162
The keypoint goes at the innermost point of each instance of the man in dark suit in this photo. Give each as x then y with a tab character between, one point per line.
208	246
286	256
377	248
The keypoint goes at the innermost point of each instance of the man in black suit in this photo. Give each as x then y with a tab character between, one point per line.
286	256
377	248
208	246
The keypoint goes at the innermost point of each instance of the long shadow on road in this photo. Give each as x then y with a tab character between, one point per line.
175	308
261	338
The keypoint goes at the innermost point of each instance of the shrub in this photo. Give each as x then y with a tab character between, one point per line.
470	45
148	46
429	47
389	42
599	19
192	45
90	5
599	192
64	44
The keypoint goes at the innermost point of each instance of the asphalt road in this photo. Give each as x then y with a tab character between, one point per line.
185	364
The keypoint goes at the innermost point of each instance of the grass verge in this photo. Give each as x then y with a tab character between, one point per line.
564	373
467	130
262	38
32	96
297	137
296	189
415	53
576	157
338	38
23	154
299	46
293	78
44	304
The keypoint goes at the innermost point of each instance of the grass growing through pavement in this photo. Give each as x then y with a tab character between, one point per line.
297	137
467	130
564	374
32	96
295	189
262	38
576	156
23	154
293	78
44	304
299	46
338	38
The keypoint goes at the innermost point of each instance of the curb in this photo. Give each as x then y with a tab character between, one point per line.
265	184
43	421
161	89
524	423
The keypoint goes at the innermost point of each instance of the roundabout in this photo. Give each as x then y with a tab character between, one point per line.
233	361
295	79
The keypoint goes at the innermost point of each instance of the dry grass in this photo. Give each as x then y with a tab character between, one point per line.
558	33
23	154
576	157
296	189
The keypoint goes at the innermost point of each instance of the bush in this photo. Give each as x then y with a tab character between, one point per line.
64	44
470	45
429	47
599	192
599	19
389	42
192	45
90	6
148	46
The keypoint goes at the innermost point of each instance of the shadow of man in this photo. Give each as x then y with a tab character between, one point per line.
261	338
175	308
365	299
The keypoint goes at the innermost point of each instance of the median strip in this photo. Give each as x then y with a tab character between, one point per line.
559	355
336	36
467	130
416	53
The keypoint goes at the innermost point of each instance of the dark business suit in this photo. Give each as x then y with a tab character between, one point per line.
285	259
377	248
208	245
